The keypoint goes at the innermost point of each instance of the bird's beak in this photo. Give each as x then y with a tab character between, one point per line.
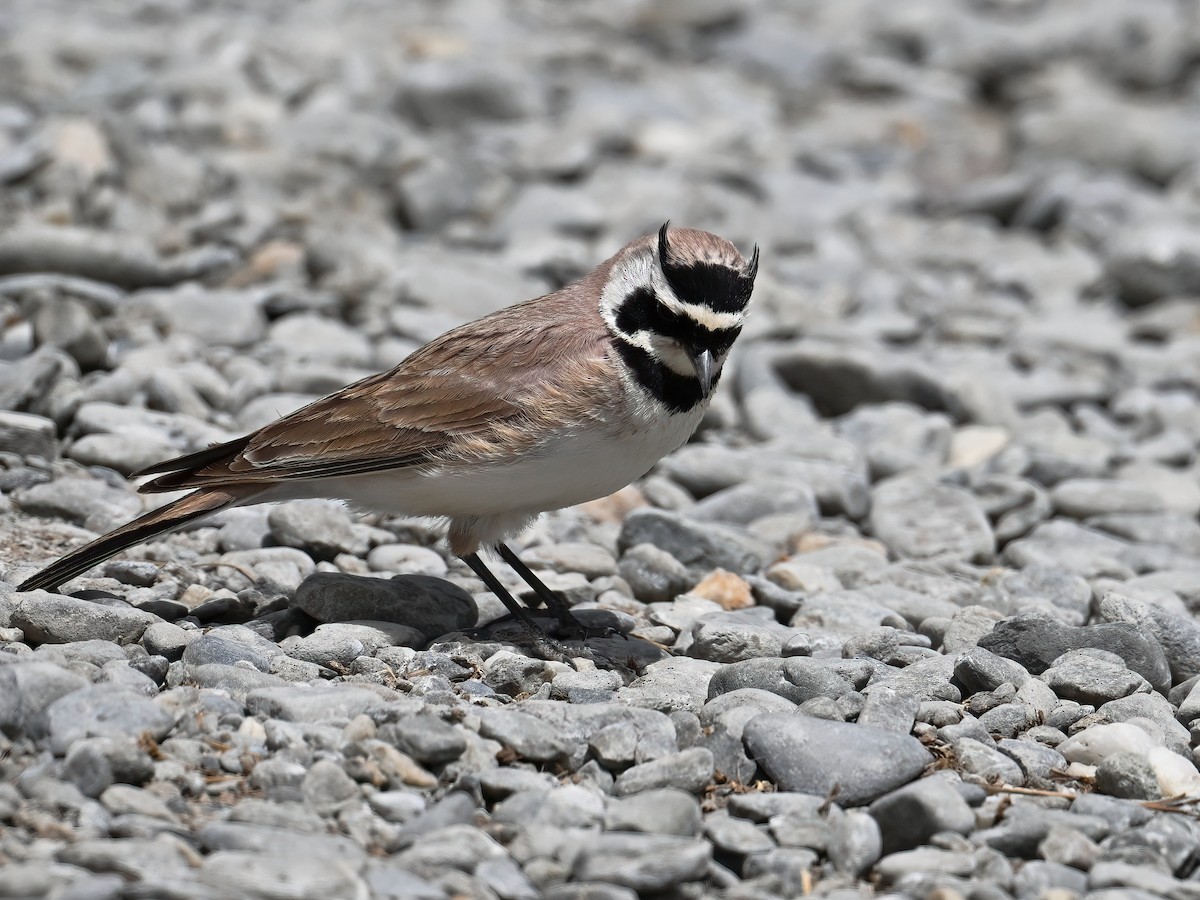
702	362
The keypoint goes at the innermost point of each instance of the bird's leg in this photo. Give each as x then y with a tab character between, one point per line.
546	644
555	604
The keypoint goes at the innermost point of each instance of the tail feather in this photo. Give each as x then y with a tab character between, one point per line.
195	505
180	471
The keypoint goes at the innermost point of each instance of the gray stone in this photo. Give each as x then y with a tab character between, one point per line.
136	859
527	736
1037	641
590	890
1083	498
920	518
701	547
390	882
985	762
656	811
925	861
840	483
261	875
312	704
95	764
654	575
278	842
1037	762
735	708
911	815
329	648
104	711
561	807
1031	590
28	435
889	709
1173	531
54	619
727	637
212	649
1093	676
803	754
737	836
1178	635
928	679
431	605
794	678
237	681
981	670
742	504
407	559
840	378
1128	776
328	789
91	504
855	844
436	93
457	846
1149	263
897	437
1037	878
644	862
504	877
689	770
372	635
26	690
321	527
590	560
672	683
1067	846
513	674
431	741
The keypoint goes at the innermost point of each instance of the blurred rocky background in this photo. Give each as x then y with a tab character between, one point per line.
950	480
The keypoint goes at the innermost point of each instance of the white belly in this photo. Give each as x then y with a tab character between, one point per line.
582	464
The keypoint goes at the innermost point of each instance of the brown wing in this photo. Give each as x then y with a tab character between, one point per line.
470	393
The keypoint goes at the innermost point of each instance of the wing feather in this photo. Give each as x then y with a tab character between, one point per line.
450	400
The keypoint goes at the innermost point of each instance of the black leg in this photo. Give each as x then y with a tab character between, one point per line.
554	603
493	584
544	644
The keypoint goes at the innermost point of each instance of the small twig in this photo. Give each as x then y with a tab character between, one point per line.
1175	804
238	567
1029	792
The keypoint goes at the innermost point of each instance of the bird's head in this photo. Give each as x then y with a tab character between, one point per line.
674	304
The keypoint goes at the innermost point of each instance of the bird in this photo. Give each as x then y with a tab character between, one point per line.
552	402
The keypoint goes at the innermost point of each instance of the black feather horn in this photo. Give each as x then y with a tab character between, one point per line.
751	270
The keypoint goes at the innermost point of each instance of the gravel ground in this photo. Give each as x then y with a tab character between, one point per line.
914	614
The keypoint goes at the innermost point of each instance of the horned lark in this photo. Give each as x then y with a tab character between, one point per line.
549	403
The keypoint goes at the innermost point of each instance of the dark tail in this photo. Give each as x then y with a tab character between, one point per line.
194	506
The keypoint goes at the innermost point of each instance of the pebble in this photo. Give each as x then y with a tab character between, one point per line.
654	575
656	811
909	816
700	548
794	678
945	494
919	518
103	711
645	863
689	770
321	527
799	753
428	604
1093	677
1036	642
